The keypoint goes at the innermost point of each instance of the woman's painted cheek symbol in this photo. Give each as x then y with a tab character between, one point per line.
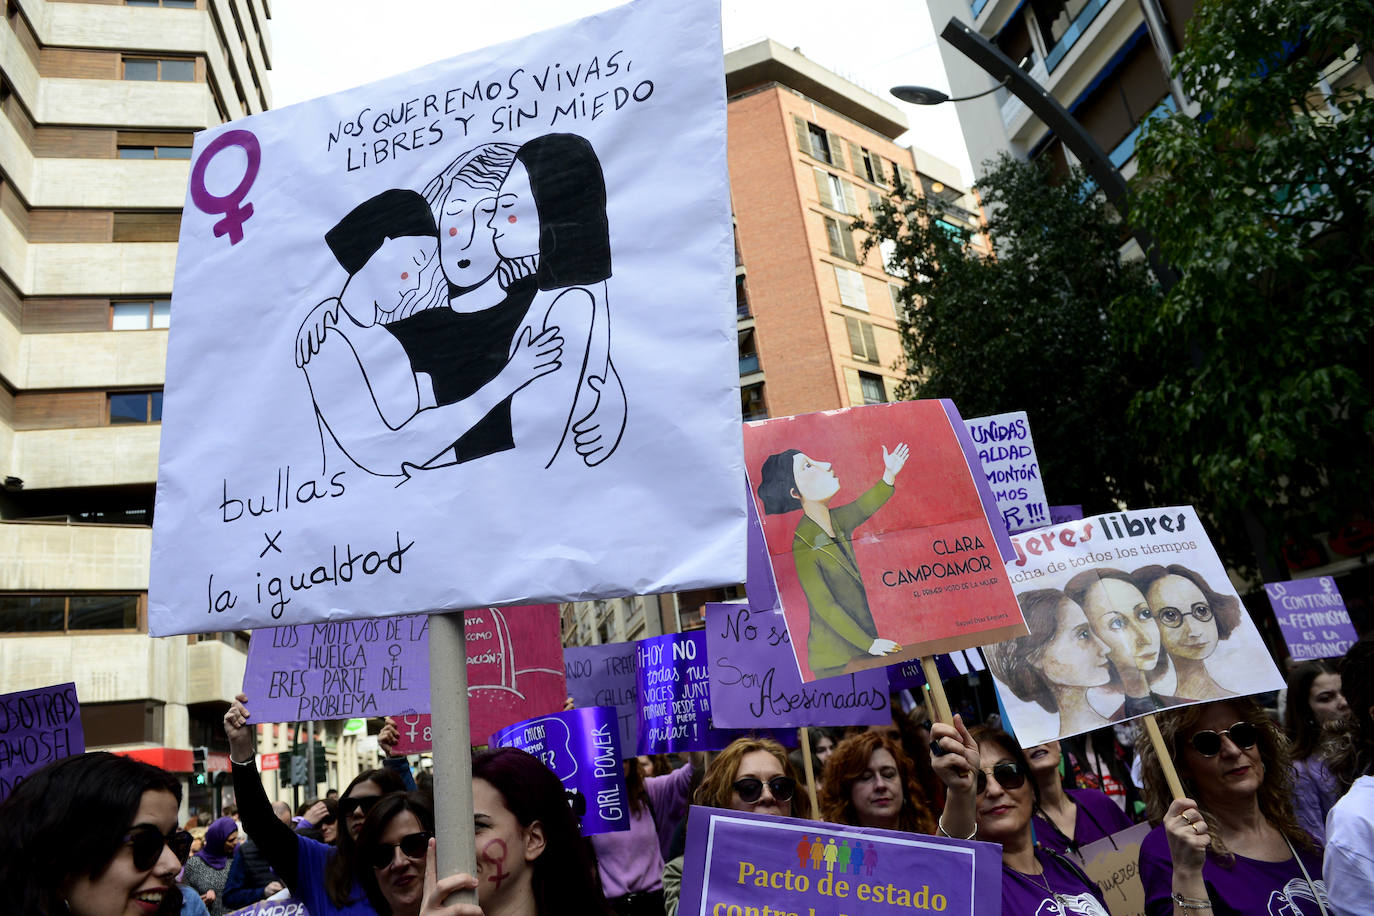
511	218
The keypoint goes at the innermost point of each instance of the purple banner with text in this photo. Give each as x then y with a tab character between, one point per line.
605	676
1312	617
743	863
675	695
755	682
37	727
582	748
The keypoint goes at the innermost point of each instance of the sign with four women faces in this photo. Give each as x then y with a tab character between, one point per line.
1128	613
459	338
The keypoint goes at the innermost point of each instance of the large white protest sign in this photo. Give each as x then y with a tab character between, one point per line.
1007	453
1128	613
463	337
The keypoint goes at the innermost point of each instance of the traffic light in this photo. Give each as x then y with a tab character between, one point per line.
299	775
198	755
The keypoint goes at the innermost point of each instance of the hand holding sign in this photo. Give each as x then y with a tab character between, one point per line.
238	731
437	891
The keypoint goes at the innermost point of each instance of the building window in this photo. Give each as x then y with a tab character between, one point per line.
820	146
748	353
817	142
751	402
154	152
851	284
872	167
167	70
836	193
57	613
861	342
741	297
136	407
872	386
841	239
895	293
140	314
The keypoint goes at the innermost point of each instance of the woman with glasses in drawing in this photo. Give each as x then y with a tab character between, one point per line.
753	775
990	797
91	835
1192	619
871	782
1233	845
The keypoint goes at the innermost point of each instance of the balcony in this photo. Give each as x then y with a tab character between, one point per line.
748	364
1069	26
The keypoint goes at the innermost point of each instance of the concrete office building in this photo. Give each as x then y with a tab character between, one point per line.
98	104
818	317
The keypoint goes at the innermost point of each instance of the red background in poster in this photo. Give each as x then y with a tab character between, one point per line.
934	497
515	672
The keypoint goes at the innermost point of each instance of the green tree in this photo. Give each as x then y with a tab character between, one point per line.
1264	406
1030	329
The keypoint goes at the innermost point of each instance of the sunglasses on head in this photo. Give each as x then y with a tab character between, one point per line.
1008	776
750	788
147	841
412	845
362	804
1208	743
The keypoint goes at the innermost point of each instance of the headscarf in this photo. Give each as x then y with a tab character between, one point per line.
215	835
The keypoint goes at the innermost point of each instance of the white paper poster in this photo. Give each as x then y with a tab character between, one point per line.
463	337
1007	453
1128	613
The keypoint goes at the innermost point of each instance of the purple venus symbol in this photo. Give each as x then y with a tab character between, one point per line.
235	212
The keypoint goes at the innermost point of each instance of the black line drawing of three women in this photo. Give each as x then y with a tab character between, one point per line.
475	317
1117	632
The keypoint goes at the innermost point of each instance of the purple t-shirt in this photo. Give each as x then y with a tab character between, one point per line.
1098	816
1247	886
312	857
631	861
1074	894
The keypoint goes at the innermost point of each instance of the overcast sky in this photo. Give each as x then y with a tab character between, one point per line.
323	46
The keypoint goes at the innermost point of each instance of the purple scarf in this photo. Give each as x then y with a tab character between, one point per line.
213	849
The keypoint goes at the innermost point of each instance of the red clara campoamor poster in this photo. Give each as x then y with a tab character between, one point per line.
879	535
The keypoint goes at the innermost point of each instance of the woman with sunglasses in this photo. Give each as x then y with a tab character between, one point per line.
1232	846
871	782
989	797
208	870
751	774
396	843
324	878
1067	819
1192	619
93	835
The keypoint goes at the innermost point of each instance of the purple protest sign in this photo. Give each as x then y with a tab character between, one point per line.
741	863
759	584
605	676
755	683
910	676
36	728
1312	617
285	907
1061	514
675	695
582	747
339	670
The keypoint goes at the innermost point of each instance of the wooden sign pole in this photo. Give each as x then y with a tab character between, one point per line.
810	772
940	702
456	846
1165	760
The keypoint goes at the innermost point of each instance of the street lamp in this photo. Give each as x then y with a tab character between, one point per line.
924	95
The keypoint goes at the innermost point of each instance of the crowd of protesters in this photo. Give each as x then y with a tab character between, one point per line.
1274	815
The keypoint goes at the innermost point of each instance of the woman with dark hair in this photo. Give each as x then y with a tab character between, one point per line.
531	860
208	870
1101	760
1192	618
1233	844
1349	868
871	782
843	635
1318	717
1121	618
91	835
396	848
1068	819
991	797
631	861
1056	663
325	878
751	774
549	222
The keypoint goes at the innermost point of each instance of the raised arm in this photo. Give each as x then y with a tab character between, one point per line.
542	414
277	843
